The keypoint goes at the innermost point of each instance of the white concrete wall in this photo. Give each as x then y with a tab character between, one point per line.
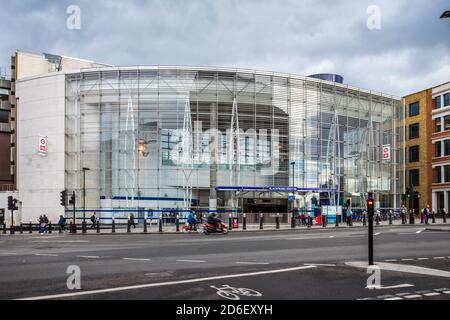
40	179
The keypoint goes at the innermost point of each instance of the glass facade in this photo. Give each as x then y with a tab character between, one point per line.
156	138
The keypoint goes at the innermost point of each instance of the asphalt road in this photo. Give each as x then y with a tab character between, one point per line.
289	265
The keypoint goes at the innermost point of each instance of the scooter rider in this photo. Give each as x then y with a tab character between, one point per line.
213	220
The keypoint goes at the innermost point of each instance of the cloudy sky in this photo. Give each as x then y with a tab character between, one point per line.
410	52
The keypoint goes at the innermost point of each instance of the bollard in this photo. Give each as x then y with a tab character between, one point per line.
59	229
128	226
160	225
390	218
412	217
177	223
434	216
261	222
98	225
309	221
364	219
83	227
324	223
113	225
351	220
378	220
230	222
12	230
31	227
403	217
444	216
21	228
277	220
336	223
244	222
4	227
293	223
145	225
50	227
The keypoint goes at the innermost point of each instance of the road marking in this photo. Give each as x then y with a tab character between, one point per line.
261	263
392	299
136	259
420	231
432	294
45	255
151	285
409	259
423	258
402	268
332	237
403	294
377	234
441	289
9	254
391	260
446	292
406	285
89	257
320	264
193	261
414	296
438	258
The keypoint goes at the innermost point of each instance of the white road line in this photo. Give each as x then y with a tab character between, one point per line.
438	258
405	285
257	263
45	255
332	237
320	264
392	299
136	259
391	260
377	234
193	261
9	254
150	285
402	268
89	257
414	296
446	292
423	258
408	259
420	231
432	294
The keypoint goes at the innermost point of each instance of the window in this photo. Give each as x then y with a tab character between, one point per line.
414	131
446	123
438	175
447	173
446	99
438	124
414	154
414	109
414	177
447	148
438	102
438	149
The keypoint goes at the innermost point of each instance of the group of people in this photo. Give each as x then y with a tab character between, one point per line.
43	222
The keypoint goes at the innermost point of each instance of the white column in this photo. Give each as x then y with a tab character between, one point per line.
446	200
434	204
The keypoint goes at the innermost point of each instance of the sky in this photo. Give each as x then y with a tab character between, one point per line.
391	46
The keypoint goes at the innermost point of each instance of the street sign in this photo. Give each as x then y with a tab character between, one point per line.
387	152
43	145
292	198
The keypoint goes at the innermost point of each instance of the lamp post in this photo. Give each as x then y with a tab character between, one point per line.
84	190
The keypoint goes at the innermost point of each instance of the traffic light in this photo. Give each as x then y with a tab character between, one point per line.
63	198
10	203
72	199
15	207
371	206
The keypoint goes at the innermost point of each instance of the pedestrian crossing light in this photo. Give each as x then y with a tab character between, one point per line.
63	198
371	206
10	203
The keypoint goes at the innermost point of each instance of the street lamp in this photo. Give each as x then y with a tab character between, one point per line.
293	187
84	191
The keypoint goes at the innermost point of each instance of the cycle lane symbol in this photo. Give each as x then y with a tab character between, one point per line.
231	293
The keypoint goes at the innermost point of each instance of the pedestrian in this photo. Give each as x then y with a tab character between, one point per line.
192	221
132	221
426	213
62	223
41	225
45	223
349	216
93	220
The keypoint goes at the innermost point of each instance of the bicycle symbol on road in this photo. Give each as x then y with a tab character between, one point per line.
231	293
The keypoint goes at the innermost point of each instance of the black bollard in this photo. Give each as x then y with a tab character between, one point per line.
31	227
277	220
50	228
128	226
230	223
21	228
351	220
160	225
261	222
309	222
324	223
244	222
434	216
4	227
12	230
293	224
412	217
390	218
336	223
364	219
83	227
378	219
177	223
444	216
145	225
113	225
98	225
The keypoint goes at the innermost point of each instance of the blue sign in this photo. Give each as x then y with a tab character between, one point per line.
291	198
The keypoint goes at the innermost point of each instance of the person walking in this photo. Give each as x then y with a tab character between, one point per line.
349	216
45	223
62	223
41	225
132	221
426	213
93	220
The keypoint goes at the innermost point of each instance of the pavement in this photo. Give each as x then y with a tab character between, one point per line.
301	264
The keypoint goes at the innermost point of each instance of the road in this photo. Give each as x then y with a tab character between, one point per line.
288	265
